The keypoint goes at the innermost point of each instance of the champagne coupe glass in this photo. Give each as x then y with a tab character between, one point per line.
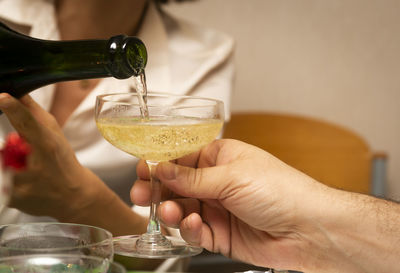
174	127
55	238
58	263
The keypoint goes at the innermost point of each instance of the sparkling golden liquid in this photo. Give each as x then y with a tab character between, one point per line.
159	139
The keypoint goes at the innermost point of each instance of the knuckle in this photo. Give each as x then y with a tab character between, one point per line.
52	122
195	177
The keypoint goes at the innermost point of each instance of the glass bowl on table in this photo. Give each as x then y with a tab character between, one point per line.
58	263
55	238
157	127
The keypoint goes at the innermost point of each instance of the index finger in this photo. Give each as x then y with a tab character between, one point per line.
20	117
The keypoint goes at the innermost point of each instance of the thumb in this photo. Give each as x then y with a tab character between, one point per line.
210	183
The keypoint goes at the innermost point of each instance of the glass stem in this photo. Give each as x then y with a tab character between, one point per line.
153	240
153	226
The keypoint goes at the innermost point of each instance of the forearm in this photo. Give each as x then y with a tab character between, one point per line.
363	233
95	204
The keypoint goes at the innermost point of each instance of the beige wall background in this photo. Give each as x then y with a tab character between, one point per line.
337	60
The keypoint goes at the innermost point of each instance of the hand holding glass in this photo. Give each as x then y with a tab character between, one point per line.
175	126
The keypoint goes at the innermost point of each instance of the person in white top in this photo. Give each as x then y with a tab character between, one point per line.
73	174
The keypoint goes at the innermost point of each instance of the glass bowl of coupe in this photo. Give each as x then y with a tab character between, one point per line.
55	238
58	263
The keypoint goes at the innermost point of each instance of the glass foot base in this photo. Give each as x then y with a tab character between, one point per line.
170	248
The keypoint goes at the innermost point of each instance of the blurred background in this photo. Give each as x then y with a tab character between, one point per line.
337	61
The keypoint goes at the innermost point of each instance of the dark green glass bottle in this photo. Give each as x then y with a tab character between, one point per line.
27	63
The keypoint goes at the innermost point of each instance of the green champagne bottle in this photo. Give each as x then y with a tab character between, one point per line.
27	63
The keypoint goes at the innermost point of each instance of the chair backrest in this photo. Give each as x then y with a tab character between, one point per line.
329	153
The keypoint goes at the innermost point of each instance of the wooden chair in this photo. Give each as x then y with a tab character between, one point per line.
327	152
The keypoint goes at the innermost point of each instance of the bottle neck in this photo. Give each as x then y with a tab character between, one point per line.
36	63
28	63
73	60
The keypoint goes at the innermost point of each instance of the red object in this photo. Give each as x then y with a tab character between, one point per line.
15	152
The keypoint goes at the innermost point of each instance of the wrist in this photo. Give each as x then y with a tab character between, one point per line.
357	232
96	204
314	217
83	198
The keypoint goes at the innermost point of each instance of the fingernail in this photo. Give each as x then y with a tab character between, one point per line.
187	223
168	170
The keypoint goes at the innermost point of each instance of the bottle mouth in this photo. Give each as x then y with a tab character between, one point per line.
128	56
136	54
